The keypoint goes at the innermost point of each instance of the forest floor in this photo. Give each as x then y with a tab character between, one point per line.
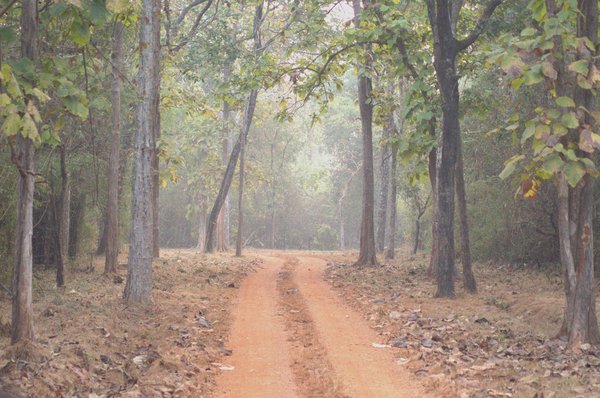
288	324
498	343
91	344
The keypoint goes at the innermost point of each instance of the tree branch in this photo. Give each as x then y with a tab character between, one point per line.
487	13
7	7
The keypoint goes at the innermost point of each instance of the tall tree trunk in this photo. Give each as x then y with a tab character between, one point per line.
238	242
114	158
101	248
576	208
242	138
223	218
272	215
465	245
391	246
56	232
445	51
156	75
201	223
442	18
390	252
61	211
138	287
383	189
65	205
367	254
76	221
22	307
431	167
342	232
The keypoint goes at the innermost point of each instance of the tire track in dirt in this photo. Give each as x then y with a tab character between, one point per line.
314	373
361	369
261	359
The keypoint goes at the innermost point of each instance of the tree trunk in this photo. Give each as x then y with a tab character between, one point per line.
465	245
383	189
272	221
22	307
431	166
445	66
576	208
65	205
243	137
201	231
342	232
238	242
56	233
156	72
112	205
101	248
60	213
138	287
390	253
228	176
223	218
367	254
76	220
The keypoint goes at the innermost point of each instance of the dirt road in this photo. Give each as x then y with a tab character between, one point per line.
263	353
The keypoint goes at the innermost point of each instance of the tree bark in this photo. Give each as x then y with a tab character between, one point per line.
76	220
238	242
22	307
138	288
65	205
201	223
155	92
383	189
112	205
442	18
60	213
223	218
242	138
576	208
367	255
465	245
341	231
391	249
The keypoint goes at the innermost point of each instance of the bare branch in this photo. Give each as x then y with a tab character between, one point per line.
487	13
7	7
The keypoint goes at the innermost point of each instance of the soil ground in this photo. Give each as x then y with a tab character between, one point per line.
288	324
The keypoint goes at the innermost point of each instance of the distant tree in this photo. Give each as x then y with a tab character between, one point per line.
112	205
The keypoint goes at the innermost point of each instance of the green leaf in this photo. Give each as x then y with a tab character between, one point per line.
532	77
569	120
528	32
76	107
79	33
7	35
98	13
574	172
11	125
40	95
24	67
29	129
581	67
510	165
553	164
4	100
529	131
565	102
